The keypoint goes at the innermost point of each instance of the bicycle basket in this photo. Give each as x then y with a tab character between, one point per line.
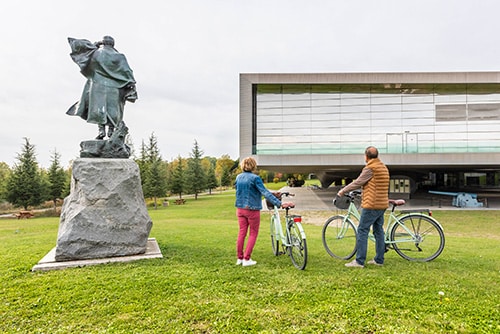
270	205
342	202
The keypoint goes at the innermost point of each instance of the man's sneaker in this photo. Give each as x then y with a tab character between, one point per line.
375	263
239	261
354	264
247	263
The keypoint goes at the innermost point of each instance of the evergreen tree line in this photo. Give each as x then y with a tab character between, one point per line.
27	185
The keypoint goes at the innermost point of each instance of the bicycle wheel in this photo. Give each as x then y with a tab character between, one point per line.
298	247
417	237
274	240
339	237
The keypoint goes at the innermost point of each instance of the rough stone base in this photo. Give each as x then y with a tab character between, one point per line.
49	262
105	214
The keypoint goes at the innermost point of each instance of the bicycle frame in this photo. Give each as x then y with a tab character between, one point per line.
391	219
278	230
291	239
408	232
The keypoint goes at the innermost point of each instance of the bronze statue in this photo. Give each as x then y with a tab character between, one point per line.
110	83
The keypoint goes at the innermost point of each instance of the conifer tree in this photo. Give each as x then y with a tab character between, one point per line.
155	183
25	185
211	177
57	179
195	176
177	177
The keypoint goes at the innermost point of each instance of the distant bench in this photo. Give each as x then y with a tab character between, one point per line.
24	214
180	201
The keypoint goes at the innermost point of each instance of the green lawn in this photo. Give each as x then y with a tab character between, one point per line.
196	288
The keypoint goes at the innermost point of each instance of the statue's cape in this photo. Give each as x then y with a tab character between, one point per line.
81	51
104	64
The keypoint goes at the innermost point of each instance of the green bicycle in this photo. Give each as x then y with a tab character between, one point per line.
414	234
293	241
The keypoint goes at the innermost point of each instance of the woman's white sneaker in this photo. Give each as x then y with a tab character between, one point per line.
247	263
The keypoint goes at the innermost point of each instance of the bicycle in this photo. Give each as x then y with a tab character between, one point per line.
293	242
414	234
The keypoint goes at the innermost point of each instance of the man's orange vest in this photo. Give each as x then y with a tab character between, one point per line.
376	191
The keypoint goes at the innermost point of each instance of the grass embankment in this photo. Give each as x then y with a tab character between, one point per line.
196	288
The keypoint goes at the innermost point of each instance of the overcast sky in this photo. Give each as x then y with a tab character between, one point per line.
187	56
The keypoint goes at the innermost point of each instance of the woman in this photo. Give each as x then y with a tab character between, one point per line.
249	192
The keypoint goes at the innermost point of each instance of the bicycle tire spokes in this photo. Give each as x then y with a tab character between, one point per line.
297	249
417	237
293	242
275	235
339	237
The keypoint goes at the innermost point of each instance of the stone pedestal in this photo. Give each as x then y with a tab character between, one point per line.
105	215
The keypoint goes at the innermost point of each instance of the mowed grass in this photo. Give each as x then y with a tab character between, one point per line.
196	287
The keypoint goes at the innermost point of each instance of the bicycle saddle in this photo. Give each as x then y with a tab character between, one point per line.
397	202
288	205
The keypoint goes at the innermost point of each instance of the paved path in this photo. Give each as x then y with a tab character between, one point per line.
308	198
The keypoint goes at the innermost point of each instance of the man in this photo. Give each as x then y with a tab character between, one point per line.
110	82
374	180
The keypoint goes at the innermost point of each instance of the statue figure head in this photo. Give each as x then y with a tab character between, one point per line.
108	40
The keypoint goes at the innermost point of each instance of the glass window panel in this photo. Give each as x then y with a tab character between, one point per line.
295	89
326	110
269	132
450	112
450	98
422	124
324	125
355	101
483	98
268	98
381	99
450	89
451	127
484	111
412	114
296	111
482	88
489	127
296	103
385	108
386	115
268	89
348	111
296	118
483	135
270	112
418	107
269	104
325	117
355	123
386	123
325	102
358	89
417	99
270	118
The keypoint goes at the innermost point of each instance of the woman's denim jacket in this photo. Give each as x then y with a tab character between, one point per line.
249	192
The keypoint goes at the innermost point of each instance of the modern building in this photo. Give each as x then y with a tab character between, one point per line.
440	130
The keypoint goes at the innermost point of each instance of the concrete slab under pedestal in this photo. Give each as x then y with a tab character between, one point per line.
48	262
